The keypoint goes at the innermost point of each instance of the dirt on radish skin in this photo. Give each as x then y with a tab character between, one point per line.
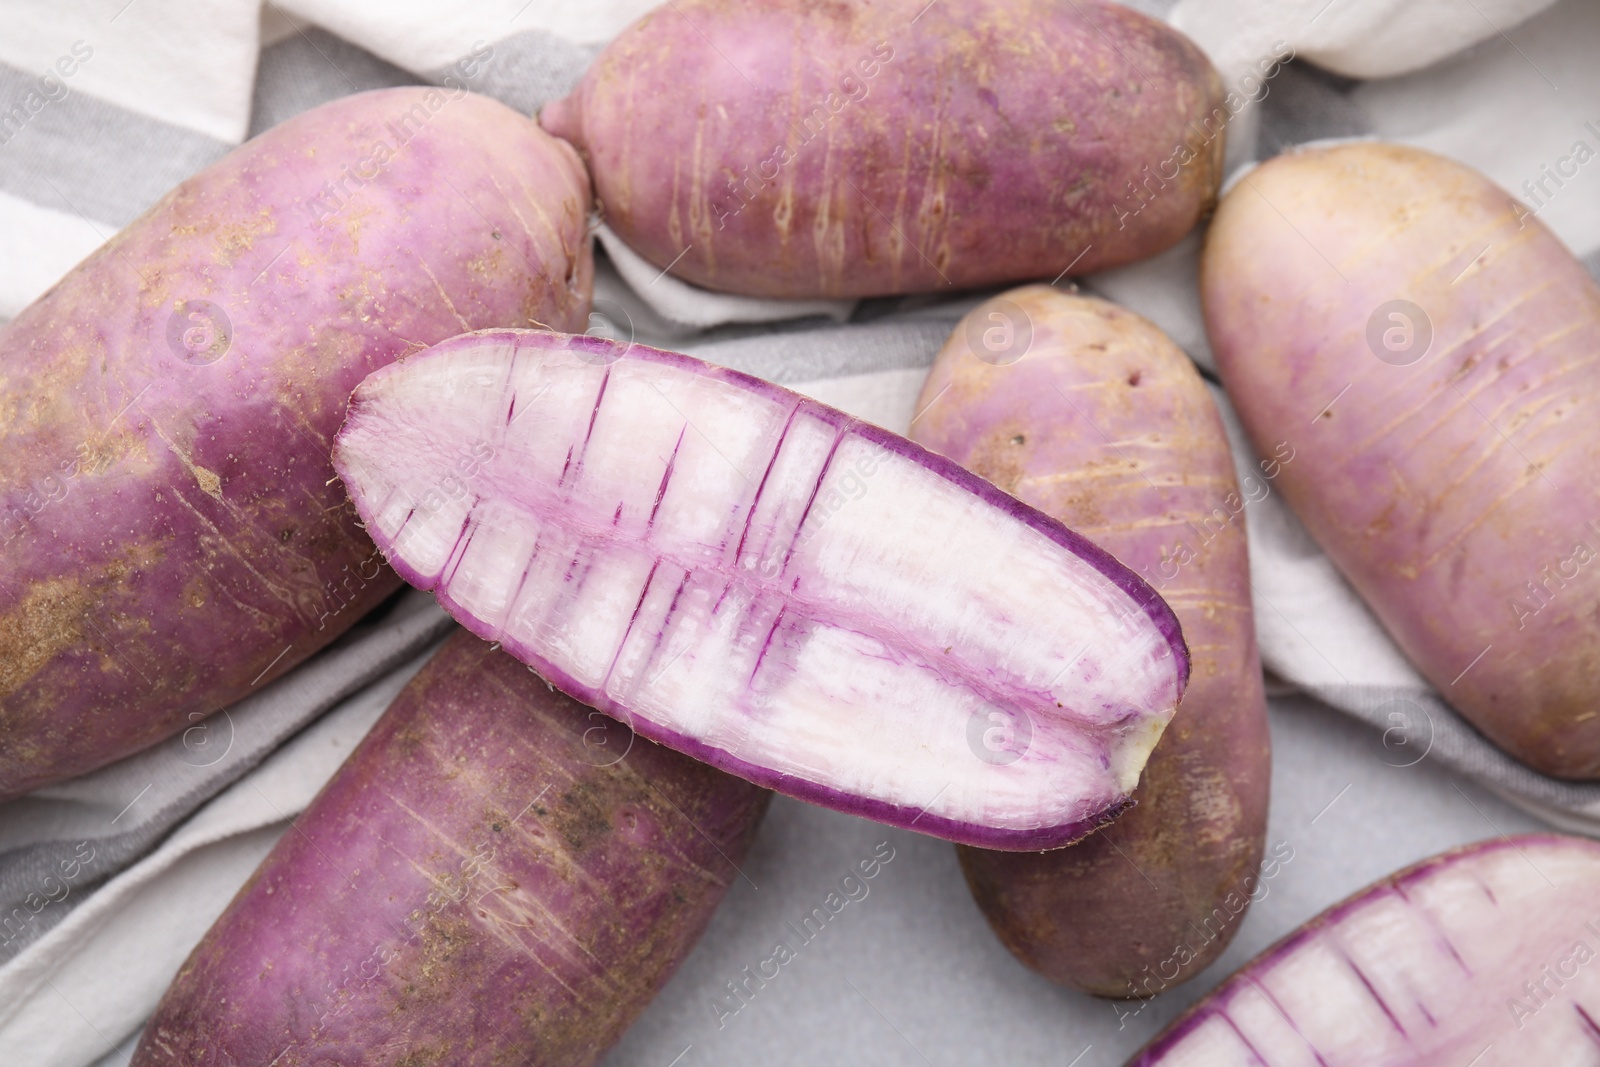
1478	956
1428	349
766	583
788	148
496	875
171	542
1093	416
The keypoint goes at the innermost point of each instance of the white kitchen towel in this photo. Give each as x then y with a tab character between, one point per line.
180	83
699	309
1357	38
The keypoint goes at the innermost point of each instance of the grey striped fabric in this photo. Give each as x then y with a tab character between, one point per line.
530	69
312	67
84	156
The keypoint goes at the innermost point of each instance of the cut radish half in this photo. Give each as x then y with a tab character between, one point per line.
1487	956
768	584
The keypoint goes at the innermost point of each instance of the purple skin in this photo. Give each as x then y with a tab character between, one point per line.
706	576
788	148
170	537
497	875
1104	424
1480	955
1428	348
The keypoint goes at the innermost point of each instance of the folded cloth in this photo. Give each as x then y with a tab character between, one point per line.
138	874
691	306
1358	38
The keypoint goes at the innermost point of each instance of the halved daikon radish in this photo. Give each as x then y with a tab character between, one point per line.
768	584
1480	957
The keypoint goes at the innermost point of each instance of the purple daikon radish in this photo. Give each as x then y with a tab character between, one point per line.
1479	957
767	584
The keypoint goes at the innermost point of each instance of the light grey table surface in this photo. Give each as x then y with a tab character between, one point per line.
910	975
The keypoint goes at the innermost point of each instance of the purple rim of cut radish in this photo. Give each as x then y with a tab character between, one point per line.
768	584
1484	955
